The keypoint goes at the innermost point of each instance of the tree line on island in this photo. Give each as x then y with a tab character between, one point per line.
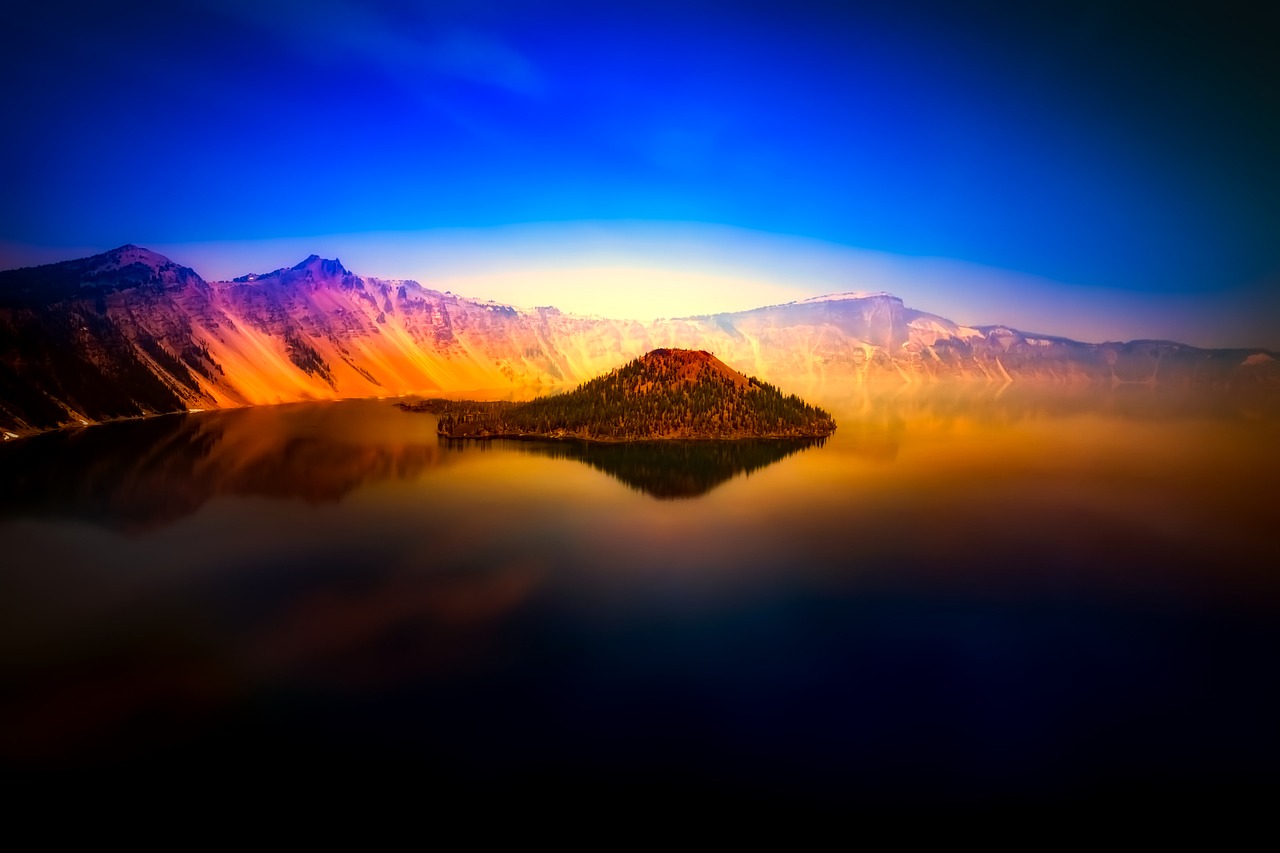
666	394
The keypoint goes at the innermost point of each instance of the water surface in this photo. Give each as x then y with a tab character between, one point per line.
964	595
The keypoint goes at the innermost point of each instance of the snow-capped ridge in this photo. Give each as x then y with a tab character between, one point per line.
846	296
492	305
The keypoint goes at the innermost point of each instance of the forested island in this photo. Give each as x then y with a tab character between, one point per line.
665	394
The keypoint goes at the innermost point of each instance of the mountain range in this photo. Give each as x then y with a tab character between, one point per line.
129	332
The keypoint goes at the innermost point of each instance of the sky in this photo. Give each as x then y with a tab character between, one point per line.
1096	169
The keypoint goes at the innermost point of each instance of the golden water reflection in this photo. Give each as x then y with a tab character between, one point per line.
1028	549
135	476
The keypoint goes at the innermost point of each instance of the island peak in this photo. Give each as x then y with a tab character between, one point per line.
664	394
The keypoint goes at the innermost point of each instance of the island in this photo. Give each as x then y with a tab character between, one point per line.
664	395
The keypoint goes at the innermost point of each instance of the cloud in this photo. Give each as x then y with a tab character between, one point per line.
413	52
482	58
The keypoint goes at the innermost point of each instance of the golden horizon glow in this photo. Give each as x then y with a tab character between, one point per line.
637	270
679	269
639	293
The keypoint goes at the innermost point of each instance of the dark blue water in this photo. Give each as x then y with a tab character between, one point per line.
953	601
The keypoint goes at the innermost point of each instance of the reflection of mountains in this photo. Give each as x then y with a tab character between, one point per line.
143	474
666	469
882	414
137	475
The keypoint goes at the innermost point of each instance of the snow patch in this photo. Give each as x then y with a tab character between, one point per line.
10	436
841	297
494	305
928	325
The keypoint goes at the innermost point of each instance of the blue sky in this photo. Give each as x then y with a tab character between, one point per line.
1062	161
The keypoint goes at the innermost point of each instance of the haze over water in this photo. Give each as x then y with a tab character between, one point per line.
961	595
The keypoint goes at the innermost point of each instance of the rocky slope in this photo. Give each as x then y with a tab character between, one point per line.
130	332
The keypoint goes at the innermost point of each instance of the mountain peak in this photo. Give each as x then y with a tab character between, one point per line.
122	268
663	394
322	267
687	365
123	256
313	267
688	356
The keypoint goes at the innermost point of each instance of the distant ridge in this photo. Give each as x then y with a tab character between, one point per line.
128	333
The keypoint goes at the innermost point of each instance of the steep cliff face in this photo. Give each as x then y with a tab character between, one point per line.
129	332
107	336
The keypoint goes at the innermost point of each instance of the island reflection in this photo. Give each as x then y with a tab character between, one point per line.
666	470
138	476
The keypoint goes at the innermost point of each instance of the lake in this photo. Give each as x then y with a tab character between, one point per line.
967	594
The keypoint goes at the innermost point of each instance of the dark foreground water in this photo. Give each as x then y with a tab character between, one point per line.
963	596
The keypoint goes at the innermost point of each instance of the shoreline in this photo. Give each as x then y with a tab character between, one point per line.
395	400
657	439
